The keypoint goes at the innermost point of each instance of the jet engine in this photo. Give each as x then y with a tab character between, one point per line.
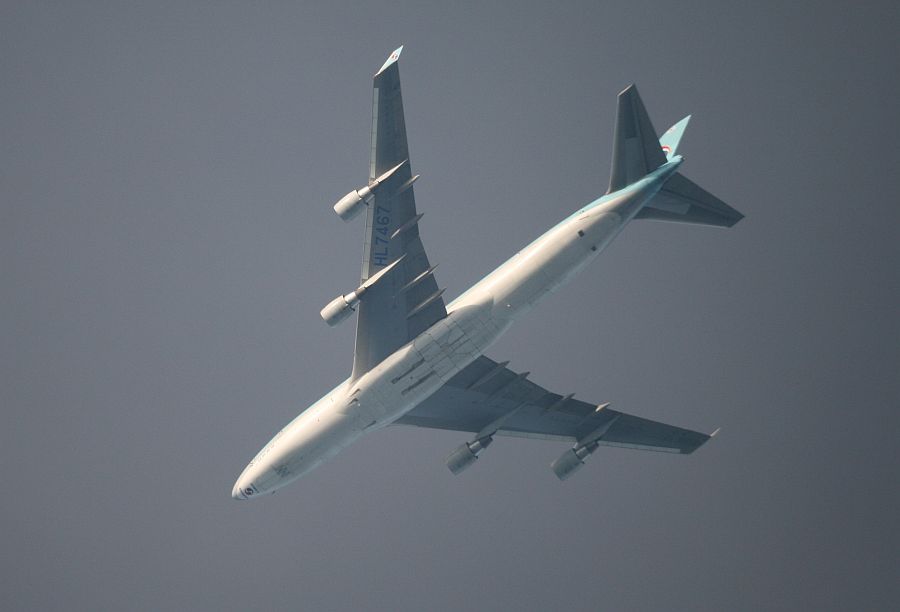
353	203
465	455
572	460
342	306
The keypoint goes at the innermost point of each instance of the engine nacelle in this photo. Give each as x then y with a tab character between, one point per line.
353	203
339	308
467	454
571	461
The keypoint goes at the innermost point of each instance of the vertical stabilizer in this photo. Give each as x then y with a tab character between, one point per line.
636	150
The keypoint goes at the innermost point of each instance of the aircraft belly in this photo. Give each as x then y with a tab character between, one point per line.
413	373
418	369
549	262
397	385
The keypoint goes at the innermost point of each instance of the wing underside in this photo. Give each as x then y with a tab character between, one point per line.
407	301
488	394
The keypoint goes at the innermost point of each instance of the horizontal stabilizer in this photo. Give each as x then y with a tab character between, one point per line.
683	201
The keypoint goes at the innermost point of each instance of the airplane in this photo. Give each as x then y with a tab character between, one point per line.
419	361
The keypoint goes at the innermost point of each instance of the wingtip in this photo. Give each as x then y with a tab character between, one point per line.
713	434
631	87
392	58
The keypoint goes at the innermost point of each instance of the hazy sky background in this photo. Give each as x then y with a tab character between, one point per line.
167	171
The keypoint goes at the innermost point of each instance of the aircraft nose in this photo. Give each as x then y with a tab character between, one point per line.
238	493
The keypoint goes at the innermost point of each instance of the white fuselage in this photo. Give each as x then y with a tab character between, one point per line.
474	321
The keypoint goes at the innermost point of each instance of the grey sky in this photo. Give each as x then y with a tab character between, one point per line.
166	242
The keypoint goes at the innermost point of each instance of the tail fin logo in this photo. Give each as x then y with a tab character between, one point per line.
667	149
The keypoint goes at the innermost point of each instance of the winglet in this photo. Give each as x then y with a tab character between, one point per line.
713	434
393	57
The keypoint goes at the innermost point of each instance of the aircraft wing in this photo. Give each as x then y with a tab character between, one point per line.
407	301
487	398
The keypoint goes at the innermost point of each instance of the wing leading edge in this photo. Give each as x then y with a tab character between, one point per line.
407	301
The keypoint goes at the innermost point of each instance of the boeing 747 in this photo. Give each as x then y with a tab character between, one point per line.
419	361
